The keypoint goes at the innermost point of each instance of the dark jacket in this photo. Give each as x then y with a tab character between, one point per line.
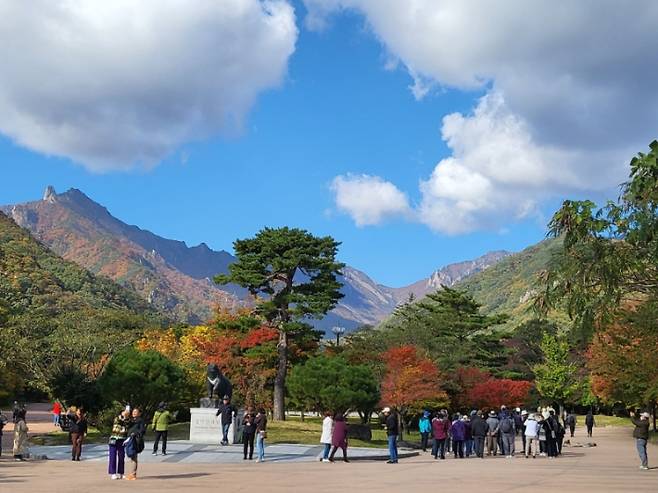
77	425
261	423
137	428
479	427
458	430
589	419
641	428
392	425
227	411
249	424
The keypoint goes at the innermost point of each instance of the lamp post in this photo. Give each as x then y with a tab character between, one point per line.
338	331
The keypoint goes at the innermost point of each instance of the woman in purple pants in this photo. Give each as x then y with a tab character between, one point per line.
117	453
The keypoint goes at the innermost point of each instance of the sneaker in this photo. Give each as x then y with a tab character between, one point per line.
154	453
130	477
114	476
164	453
644	468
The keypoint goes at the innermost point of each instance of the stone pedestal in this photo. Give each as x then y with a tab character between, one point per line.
206	428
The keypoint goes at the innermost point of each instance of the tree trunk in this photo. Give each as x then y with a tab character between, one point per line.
279	413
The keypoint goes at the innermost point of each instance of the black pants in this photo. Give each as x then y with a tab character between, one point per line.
551	447
159	434
424	437
478	443
589	430
572	429
248	444
439	448
333	452
458	448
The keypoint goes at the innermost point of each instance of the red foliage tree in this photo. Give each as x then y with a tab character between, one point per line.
479	389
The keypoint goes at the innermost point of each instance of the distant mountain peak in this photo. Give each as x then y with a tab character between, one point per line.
49	194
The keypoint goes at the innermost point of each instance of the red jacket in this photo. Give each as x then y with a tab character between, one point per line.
57	409
440	428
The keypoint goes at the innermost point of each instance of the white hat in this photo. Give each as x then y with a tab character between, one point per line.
646	415
386	410
518	409
524	413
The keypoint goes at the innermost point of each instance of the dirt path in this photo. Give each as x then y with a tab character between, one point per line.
39	420
612	466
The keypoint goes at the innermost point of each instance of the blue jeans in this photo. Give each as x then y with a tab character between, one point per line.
56	419
393	447
225	432
468	447
260	447
325	452
641	445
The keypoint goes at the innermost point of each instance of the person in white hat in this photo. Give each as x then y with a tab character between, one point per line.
641	435
392	432
524	418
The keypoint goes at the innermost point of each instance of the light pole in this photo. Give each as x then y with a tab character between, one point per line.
338	331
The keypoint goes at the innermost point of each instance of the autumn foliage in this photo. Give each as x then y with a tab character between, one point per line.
410	379
479	389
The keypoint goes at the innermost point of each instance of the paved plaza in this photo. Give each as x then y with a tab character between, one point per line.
611	466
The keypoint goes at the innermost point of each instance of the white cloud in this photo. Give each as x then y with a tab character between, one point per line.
123	83
368	199
570	96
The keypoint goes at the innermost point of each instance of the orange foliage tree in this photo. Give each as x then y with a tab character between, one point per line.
411	382
479	389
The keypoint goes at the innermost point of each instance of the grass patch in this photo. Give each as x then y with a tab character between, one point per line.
603	420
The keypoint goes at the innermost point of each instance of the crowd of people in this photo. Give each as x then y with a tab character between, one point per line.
475	434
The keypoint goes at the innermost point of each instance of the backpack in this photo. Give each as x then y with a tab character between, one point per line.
506	425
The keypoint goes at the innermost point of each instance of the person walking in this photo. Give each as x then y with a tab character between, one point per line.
15	410
531	434
135	442
589	423
78	430
641	435
551	427
542	434
20	435
57	411
392	432
227	411
248	434
160	425
424	427
458	432
479	429
440	429
493	424
339	437
571	423
261	434
116	466
325	438
507	431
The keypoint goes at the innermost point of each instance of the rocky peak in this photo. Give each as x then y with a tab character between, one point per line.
49	195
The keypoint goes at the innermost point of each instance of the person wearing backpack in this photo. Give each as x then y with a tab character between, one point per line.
508	434
571	423
134	445
160	425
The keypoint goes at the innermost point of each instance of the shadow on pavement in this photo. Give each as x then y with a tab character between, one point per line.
179	476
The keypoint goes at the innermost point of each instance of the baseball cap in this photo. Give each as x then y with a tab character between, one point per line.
386	410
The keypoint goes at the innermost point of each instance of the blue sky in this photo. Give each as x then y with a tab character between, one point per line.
338	110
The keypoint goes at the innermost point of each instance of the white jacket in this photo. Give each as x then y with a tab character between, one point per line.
531	428
327	428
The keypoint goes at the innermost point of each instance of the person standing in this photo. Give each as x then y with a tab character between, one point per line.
641	435
78	430
116	467
589	423
248	434
16	408
135	445
531	434
424	427
468	435
227	412
440	429
261	434
551	428
458	432
325	438
479	430
160	425
339	437
571	423
392	432
57	411
493	424
20	436
524	418
508	434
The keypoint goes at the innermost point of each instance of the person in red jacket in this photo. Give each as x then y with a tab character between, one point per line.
440	429
339	437
57	410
